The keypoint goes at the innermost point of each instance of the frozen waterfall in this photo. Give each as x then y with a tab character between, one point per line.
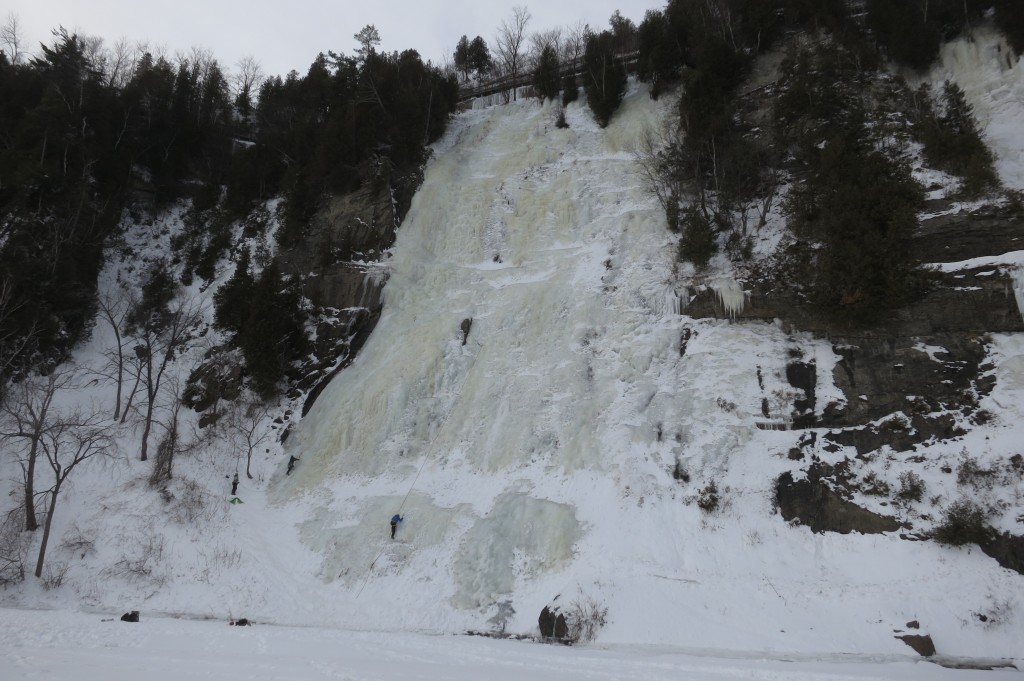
536	234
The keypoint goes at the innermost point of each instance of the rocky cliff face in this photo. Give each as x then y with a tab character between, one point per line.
921	359
911	379
339	264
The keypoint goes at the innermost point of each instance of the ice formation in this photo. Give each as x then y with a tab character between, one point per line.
535	241
730	294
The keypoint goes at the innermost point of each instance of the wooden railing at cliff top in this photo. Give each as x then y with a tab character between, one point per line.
507	82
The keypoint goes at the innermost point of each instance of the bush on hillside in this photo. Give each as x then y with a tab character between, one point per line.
964	522
151	309
699	241
912	487
13	549
585	618
708	499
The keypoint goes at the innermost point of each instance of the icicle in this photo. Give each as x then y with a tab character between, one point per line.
730	294
675	302
1017	276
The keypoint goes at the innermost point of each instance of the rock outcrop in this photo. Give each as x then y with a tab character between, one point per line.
820	506
552	624
921	643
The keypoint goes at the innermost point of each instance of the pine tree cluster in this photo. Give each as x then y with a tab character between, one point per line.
84	139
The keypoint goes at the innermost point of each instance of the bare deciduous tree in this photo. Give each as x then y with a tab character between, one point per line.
71	440
574	43
114	310
447	65
155	348
654	156
250	429
509	42
172	443
27	419
122	61
247	83
93	52
11	38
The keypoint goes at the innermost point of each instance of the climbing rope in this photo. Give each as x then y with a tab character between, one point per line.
384	544
406	498
426	456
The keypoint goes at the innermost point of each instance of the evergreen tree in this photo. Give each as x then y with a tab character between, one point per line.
953	143
480	56
273	334
604	77
231	302
699	241
862	208
658	61
461	56
545	77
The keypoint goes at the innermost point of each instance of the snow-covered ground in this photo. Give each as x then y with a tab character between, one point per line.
48	646
540	461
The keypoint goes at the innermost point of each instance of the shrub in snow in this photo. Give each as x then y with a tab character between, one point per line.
970	472
586	617
874	485
964	523
708	499
54	573
13	548
911	487
79	542
141	566
998	612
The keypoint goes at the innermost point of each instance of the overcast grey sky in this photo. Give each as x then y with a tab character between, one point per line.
287	34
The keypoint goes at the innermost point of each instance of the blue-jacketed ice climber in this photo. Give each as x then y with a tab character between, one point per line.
395	519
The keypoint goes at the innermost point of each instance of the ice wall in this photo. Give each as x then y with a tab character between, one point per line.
529	231
512	239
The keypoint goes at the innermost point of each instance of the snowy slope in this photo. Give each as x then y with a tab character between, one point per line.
535	461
